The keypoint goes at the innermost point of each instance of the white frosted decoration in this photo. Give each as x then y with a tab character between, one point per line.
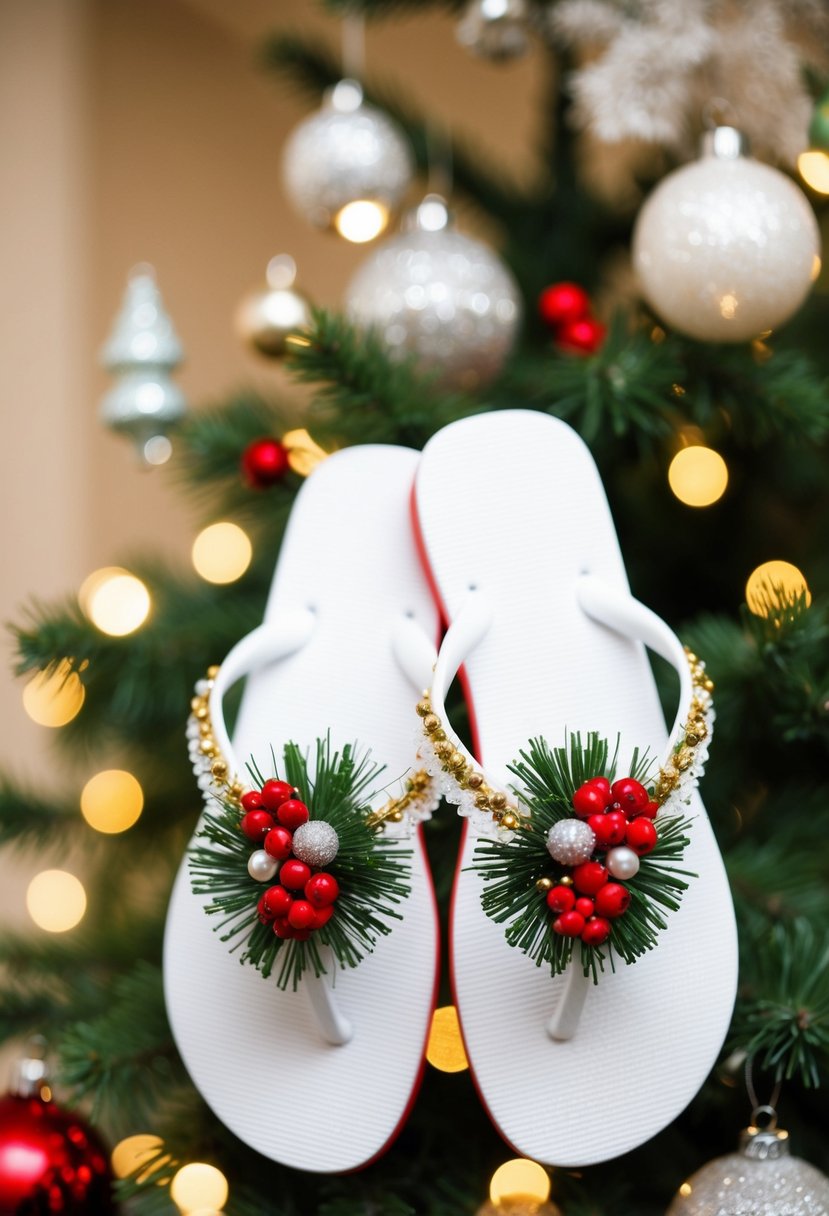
622	863
571	842
316	843
740	1185
726	249
261	866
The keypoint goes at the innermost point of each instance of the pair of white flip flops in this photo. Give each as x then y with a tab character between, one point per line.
514	547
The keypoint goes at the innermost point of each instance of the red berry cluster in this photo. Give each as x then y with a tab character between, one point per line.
565	308
272	814
617	814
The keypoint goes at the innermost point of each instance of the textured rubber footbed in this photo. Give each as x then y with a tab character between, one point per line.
348	553
512	504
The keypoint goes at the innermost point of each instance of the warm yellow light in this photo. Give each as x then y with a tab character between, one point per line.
303	453
56	900
222	553
54	698
130	1154
773	584
520	1179
698	476
817	266
115	601
728	307
112	801
445	1050
685	1190
361	220
198	1186
814	169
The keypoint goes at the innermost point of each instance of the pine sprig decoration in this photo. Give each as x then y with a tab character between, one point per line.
370	869
511	865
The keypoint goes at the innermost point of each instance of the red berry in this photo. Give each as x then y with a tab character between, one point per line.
256	825
278	843
589	877
294	874
585	907
301	914
251	801
274	793
616	827
265	917
650	811
292	813
641	836
630	795
302	935
601	829
323	916
613	900
562	302
322	889
281	927
264	462
582	337
276	901
590	798
596	931
561	899
569	924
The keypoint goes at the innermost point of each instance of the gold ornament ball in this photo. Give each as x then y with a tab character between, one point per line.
269	317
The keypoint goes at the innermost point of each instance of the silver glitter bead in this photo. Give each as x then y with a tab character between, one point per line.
441	296
622	862
316	843
261	866
495	29
571	842
345	153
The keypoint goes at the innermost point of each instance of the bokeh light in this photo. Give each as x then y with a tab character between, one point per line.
519	1180
198	1186
813	167
115	601
54	698
56	900
130	1154
222	552
361	221
773	584
445	1050
112	801
698	476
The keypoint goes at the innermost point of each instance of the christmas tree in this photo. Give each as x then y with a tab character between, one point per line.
709	429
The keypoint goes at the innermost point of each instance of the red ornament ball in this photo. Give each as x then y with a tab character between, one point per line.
561	303
264	463
302	914
569	924
292	813
251	801
274	793
589	877
278	843
592	798
322	890
641	836
612	900
50	1161
596	931
561	899
631	796
583	337
256	825
276	902
294	874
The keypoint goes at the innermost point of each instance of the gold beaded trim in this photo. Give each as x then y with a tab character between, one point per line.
418	785
505	812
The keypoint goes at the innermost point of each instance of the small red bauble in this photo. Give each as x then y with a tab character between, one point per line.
589	877
596	931
265	917
274	793
650	811
641	836
612	900
322	916
563	302
322	889
294	874
631	796
293	813
251	801
256	825
264	462
591	798
278	843
617	825
569	924
276	901
301	914
584	907
561	899
583	337
281	927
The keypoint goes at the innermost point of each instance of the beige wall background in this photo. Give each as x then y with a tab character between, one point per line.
144	130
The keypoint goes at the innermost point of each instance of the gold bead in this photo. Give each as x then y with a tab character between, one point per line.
396	816
566	881
692	737
683	759
482	802
236	790
423	707
475	780
544	884
444	750
198	703
509	821
457	761
431	723
499	801
708	684
208	746
219	769
690	656
213	671
439	735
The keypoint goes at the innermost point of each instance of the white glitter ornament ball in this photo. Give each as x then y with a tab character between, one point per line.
316	843
261	866
440	295
622	862
571	842
760	1180
348	165
726	248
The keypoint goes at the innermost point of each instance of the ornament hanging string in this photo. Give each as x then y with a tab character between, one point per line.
767	1110
354	46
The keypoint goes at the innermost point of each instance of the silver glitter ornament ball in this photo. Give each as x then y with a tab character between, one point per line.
441	296
726	248
760	1180
495	29
347	155
316	843
571	842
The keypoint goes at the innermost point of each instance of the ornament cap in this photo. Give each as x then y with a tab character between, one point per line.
725	143
28	1074
430	215
346	96
763	1140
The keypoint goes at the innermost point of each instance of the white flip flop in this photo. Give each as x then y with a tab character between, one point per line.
518	541
346	644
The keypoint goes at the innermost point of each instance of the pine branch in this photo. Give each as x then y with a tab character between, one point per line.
27	819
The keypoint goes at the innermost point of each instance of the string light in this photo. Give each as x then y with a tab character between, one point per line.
130	1154
54	698
56	900
198	1186
445	1050
698	476
222	553
115	601
112	801
813	167
361	221
304	454
773	584
519	1180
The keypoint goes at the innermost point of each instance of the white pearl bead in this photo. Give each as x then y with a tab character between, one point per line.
622	862
202	688
261	866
